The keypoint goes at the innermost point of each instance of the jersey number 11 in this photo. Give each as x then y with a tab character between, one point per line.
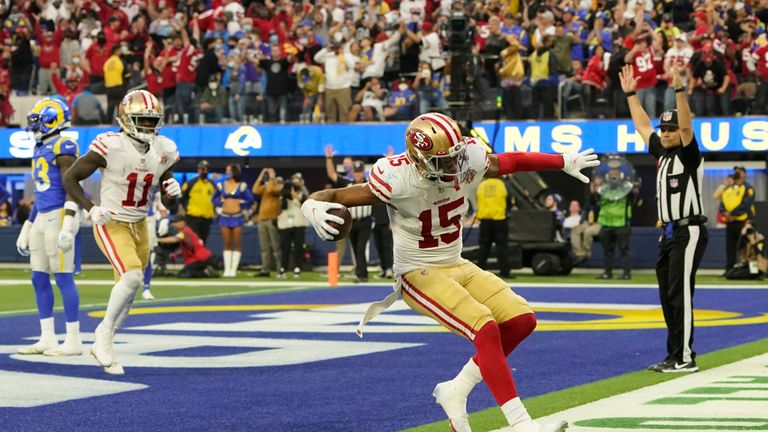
132	180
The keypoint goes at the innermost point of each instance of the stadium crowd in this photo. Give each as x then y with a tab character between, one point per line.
375	60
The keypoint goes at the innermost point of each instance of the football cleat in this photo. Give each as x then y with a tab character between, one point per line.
454	404
114	369
657	367
681	367
147	295
66	349
39	347
102	349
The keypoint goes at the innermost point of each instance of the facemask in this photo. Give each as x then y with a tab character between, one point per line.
76	60
231	65
247	28
124	49
213	85
402	87
338	37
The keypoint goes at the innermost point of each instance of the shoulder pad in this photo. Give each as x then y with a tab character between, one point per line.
65	146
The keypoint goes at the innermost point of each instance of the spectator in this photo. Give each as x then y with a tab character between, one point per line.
70	49
338	80
213	101
234	77
113	83
640	56
86	108
96	56
552	203
48	56
402	103
277	69
737	201
512	75
6	109
370	100
6	214
270	187
198	260
429	86
22	62
709	83
680	54
311	81
759	57
74	85
583	235
574	216
189	56
291	225
544	79
197	201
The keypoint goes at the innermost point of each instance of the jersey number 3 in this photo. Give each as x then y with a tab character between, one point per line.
446	221
133	178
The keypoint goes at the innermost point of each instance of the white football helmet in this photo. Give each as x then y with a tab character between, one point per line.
435	145
140	115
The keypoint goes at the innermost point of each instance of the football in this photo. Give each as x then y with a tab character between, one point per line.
343	228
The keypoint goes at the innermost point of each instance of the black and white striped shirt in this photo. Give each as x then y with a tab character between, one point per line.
678	180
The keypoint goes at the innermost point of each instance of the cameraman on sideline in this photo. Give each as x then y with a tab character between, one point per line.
737	205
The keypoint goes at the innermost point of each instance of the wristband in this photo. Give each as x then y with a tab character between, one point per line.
68	223
630	93
680	90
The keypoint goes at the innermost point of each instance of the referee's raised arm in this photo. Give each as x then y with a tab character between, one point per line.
639	116
684	118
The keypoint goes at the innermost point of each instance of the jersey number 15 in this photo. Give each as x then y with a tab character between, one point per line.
446	221
133	178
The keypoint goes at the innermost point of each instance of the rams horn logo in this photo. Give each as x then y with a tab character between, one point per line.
420	140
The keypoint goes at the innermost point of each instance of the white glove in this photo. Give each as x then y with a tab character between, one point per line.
316	213
68	228
22	242
100	215
218	211
172	188
574	162
163	227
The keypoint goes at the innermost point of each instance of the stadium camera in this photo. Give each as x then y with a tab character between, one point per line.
459	33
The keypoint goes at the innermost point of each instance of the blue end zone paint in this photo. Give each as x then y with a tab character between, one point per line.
377	392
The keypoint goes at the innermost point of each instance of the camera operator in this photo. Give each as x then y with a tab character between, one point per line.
737	200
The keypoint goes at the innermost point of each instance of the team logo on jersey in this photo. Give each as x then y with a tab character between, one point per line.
163	159
420	140
469	176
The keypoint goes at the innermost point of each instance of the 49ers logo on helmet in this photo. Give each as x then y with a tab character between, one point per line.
420	140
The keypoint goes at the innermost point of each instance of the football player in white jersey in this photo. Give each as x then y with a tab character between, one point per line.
427	190
133	163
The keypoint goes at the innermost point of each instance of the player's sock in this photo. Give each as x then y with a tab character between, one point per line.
122	296
492	363
73	333
227	262
515	330
235	262
47	331
41	281
468	377
147	275
515	412
69	295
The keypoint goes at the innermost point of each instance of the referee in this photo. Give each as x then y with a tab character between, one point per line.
680	211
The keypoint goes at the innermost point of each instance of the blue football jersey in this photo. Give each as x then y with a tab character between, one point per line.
49	190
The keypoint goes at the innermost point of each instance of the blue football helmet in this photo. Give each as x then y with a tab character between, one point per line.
47	117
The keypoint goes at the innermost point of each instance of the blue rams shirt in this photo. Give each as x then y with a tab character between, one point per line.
49	191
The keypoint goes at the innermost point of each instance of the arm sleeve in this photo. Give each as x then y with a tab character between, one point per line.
512	162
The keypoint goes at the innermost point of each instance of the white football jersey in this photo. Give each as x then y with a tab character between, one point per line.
426	220
130	177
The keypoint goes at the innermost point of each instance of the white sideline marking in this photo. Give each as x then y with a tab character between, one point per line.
27	390
729	414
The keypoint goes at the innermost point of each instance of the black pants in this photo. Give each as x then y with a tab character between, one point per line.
613	237
732	234
201	226
291	247
494	231
196	269
114	96
358	238
382	236
679	258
